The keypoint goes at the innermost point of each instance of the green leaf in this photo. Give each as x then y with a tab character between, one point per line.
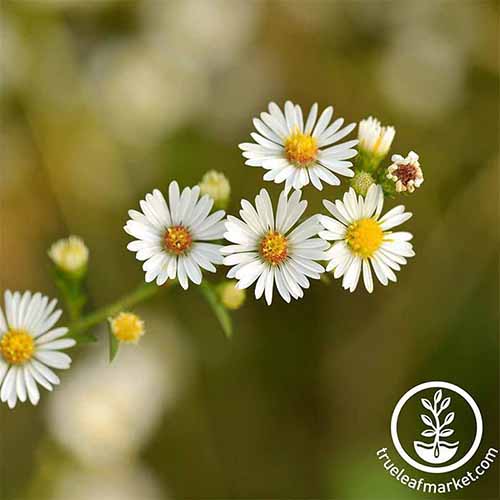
219	310
114	344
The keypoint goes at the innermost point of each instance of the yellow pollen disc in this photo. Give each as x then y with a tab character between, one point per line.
274	248
364	237
17	347
177	239
127	327
301	149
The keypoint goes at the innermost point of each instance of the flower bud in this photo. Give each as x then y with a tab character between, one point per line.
231	296
127	327
405	172
70	255
216	185
361	182
373	138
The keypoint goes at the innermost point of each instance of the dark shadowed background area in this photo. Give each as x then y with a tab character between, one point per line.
102	101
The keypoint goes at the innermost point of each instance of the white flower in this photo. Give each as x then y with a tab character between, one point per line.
265	252
374	138
29	345
70	254
406	172
363	240
171	239
216	185
104	415
294	151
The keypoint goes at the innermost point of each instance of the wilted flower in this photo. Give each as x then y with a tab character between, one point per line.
69	254
406	172
127	327
230	295
217	186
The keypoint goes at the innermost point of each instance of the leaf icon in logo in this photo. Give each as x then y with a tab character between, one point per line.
427	421
447	432
438	396
428	433
449	419
426	404
444	404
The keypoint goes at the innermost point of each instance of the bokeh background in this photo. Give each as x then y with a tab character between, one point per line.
103	100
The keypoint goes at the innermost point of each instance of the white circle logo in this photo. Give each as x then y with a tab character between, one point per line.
437	448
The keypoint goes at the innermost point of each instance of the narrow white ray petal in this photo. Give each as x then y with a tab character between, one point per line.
45	372
367	276
53	359
269	286
21	384
33	393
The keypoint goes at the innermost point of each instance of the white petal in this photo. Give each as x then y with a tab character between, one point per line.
53	359
367	276
33	393
269	286
181	274
351	277
21	385
192	269
58	344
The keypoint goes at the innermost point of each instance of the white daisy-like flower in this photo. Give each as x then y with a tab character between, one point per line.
297	152
172	239
374	138
363	239
266	252
29	345
406	172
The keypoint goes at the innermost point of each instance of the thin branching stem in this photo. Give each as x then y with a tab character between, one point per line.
142	293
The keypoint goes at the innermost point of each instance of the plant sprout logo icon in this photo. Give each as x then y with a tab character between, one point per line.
439	450
438	453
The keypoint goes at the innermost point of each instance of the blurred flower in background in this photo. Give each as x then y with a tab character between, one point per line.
106	413
121	482
210	35
144	91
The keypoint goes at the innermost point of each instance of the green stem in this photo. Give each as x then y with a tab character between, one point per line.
142	293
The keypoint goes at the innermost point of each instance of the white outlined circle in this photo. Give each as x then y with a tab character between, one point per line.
470	402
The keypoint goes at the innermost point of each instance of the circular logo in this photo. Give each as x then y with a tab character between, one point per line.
437	448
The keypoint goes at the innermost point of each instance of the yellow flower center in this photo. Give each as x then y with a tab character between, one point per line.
127	327
364	237
301	149
17	347
274	248
177	239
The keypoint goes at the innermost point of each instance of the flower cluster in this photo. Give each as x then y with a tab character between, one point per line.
375	140
272	247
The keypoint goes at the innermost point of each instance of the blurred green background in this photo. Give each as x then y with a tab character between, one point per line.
102	101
